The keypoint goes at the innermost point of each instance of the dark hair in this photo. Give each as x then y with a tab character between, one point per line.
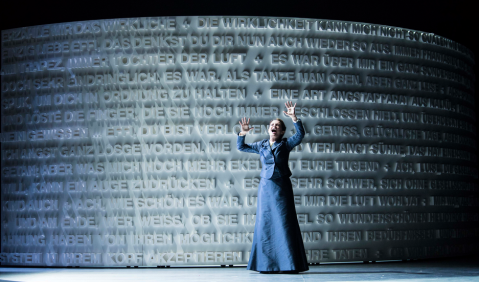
283	126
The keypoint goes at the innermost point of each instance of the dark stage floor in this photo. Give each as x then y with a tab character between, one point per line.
455	269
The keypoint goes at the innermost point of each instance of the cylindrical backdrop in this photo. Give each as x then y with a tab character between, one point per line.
119	140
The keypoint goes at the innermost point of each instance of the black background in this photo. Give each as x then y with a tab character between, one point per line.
452	19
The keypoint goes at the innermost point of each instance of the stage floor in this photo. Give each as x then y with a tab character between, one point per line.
458	269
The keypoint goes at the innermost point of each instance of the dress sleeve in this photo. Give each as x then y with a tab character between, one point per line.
248	148
296	139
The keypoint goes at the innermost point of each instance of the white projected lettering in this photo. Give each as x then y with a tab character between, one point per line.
119	140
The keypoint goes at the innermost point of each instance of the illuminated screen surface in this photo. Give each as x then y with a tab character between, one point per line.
119	140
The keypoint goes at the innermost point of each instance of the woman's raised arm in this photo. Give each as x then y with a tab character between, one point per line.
296	139
240	144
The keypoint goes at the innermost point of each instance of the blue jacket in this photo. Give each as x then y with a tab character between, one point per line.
275	157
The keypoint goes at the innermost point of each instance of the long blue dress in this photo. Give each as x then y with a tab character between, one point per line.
277	241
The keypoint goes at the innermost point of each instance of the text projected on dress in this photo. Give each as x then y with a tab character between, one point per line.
119	140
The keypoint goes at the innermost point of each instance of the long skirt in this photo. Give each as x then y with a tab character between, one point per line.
277	242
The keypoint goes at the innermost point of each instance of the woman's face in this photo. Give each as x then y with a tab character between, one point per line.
275	129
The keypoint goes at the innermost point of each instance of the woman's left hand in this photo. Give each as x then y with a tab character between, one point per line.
291	110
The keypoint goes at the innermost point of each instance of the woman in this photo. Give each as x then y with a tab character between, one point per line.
277	243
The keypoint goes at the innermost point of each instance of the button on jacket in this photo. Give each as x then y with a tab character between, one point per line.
273	157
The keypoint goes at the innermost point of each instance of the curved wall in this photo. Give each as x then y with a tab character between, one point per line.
119	147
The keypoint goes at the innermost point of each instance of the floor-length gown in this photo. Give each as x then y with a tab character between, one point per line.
277	241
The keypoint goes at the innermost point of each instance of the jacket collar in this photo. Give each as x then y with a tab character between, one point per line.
275	144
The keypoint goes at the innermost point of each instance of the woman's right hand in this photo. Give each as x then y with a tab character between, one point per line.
245	126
